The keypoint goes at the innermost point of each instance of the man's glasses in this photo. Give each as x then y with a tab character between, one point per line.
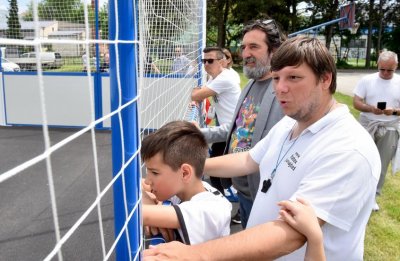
209	61
386	70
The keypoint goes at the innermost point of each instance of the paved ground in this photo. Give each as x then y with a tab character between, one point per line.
347	80
26	230
26	227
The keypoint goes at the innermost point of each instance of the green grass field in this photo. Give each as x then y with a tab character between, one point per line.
382	241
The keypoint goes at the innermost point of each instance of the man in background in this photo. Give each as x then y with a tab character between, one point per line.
224	91
181	63
377	96
257	110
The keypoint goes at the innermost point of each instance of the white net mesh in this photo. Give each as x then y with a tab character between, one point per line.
173	43
56	184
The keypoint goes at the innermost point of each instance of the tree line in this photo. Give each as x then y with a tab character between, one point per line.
379	18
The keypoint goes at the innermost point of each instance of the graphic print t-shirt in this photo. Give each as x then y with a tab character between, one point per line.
246	119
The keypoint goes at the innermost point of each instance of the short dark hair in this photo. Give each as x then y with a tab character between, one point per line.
302	49
178	142
218	50
274	37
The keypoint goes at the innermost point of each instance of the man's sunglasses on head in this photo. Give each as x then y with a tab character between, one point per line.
266	23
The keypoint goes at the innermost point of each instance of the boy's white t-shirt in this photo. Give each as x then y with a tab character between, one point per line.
204	217
228	92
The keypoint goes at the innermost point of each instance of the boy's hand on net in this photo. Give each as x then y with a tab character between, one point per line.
167	234
149	198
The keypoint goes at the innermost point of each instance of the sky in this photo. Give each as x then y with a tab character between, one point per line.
22	5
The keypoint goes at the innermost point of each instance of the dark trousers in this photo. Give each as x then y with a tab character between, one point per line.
217	149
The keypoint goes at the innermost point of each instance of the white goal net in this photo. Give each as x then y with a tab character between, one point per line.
81	83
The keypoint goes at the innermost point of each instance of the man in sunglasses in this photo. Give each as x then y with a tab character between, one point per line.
377	96
257	110
224	90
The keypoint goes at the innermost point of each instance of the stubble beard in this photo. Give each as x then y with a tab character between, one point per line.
305	113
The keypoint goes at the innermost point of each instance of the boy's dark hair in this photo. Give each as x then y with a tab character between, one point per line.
218	50
311	51
178	142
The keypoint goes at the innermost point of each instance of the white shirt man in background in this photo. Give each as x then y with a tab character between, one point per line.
372	92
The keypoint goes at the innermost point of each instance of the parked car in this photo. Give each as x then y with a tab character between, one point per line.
49	60
8	66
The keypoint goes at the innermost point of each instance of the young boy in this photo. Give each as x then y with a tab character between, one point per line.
174	156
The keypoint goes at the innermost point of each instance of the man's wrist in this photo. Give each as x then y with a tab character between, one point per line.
367	108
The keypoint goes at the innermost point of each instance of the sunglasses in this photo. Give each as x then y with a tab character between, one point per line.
387	70
209	61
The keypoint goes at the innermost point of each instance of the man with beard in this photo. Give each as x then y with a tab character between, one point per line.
257	110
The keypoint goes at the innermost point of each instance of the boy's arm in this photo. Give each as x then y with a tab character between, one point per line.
315	250
160	216
231	165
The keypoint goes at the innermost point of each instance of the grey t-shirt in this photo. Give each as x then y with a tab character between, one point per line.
243	130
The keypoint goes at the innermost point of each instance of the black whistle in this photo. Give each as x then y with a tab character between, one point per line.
266	185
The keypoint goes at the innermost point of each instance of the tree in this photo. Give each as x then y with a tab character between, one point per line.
14	26
225	18
369	39
65	10
217	15
103	21
393	40
324	11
